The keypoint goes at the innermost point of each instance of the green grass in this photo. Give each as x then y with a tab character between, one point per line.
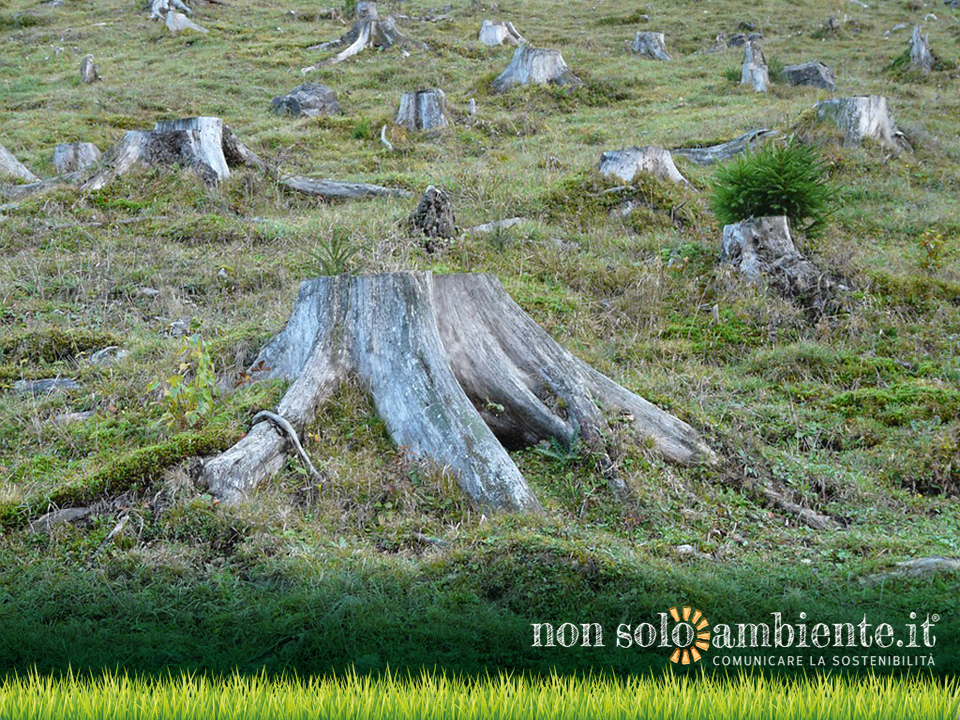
436	696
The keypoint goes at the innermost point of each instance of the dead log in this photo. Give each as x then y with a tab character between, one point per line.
625	164
456	370
434	217
423	110
11	167
369	31
74	157
724	151
498	32
89	72
651	44
537	66
921	57
754	71
333	190
863	117
811	74
762	249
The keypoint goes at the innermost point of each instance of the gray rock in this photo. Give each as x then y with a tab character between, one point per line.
812	74
308	100
46	386
75	156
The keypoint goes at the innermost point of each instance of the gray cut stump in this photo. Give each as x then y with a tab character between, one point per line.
498	32
625	164
754	71
159	8
423	110
724	151
369	31
921	57
308	100
12	167
863	117
651	44
762	248
178	22
457	371
434	216
811	74
537	66
74	157
89	72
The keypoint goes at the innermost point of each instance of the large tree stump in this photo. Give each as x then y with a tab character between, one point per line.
651	44
863	117
12	167
75	156
423	110
457	371
811	74
369	31
498	32
921	57
754	71
724	151
625	164
537	66
762	248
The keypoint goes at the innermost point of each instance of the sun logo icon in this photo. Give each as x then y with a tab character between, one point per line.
690	635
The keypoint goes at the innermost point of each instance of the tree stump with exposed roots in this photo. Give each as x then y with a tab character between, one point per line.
863	117
368	31
724	151
651	44
498	32
537	66
458	373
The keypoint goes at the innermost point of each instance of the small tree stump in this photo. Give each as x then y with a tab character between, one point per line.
369	31
457	372
159	8
724	151
754	71
11	167
423	110
625	164
74	157
921	57
762	248
434	217
535	65
863	117
498	32
651	44
308	100
811	74
89	72
178	22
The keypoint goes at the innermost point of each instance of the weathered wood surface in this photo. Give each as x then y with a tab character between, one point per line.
12	167
369	31
651	44
538	66
89	72
498	32
754	71
724	151
423	110
74	157
863	117
626	164
921	57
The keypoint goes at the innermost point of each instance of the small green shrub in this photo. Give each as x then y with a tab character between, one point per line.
776	180
188	397
361	130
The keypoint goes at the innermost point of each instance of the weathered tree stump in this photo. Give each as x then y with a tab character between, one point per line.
308	100
434	216
423	110
498	32
724	151
754	71
11	167
369	31
625	164
811	74
762	248
863	117
651	44
921	57
178	22
74	157
457	371
537	66
89	72
159	8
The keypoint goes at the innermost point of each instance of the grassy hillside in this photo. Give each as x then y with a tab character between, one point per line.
856	415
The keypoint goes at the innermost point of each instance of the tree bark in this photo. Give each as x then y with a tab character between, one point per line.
625	164
456	370
423	110
498	32
652	45
724	151
535	65
863	117
754	71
